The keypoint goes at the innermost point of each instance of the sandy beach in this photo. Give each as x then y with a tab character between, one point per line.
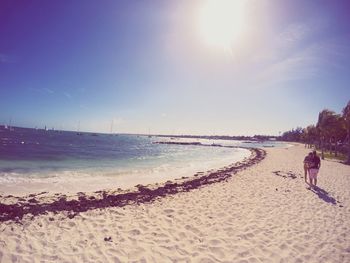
264	213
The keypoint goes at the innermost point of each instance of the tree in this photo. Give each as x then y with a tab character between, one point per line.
338	131
346	116
329	126
313	134
310	135
321	126
292	135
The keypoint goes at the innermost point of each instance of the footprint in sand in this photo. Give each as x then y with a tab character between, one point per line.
169	211
135	232
192	229
285	175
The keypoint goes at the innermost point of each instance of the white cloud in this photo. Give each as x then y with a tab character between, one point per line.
312	61
297	66
293	35
68	96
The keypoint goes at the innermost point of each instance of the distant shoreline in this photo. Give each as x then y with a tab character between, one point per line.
210	137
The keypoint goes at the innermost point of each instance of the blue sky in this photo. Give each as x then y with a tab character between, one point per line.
146	66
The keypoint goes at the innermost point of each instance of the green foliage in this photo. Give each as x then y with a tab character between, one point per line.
294	135
331	126
331	132
346	117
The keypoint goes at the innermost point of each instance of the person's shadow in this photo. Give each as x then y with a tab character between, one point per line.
323	194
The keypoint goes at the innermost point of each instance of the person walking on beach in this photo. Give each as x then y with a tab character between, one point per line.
315	165
307	162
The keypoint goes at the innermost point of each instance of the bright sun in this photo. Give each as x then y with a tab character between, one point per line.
221	22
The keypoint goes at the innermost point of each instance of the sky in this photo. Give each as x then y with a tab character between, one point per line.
240	67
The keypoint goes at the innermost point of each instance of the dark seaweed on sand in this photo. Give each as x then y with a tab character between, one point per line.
31	206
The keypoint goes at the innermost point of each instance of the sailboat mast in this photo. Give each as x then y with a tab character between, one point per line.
112	127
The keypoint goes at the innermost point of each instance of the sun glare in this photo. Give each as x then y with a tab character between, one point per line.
221	22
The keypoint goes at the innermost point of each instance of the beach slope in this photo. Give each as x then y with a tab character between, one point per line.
264	213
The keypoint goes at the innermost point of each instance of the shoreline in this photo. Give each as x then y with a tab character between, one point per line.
14	208
96	177
263	213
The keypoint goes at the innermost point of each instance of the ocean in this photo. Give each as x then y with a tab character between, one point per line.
39	160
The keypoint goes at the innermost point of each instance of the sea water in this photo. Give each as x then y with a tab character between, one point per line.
33	160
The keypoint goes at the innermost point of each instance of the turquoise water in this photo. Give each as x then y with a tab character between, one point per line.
29	154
